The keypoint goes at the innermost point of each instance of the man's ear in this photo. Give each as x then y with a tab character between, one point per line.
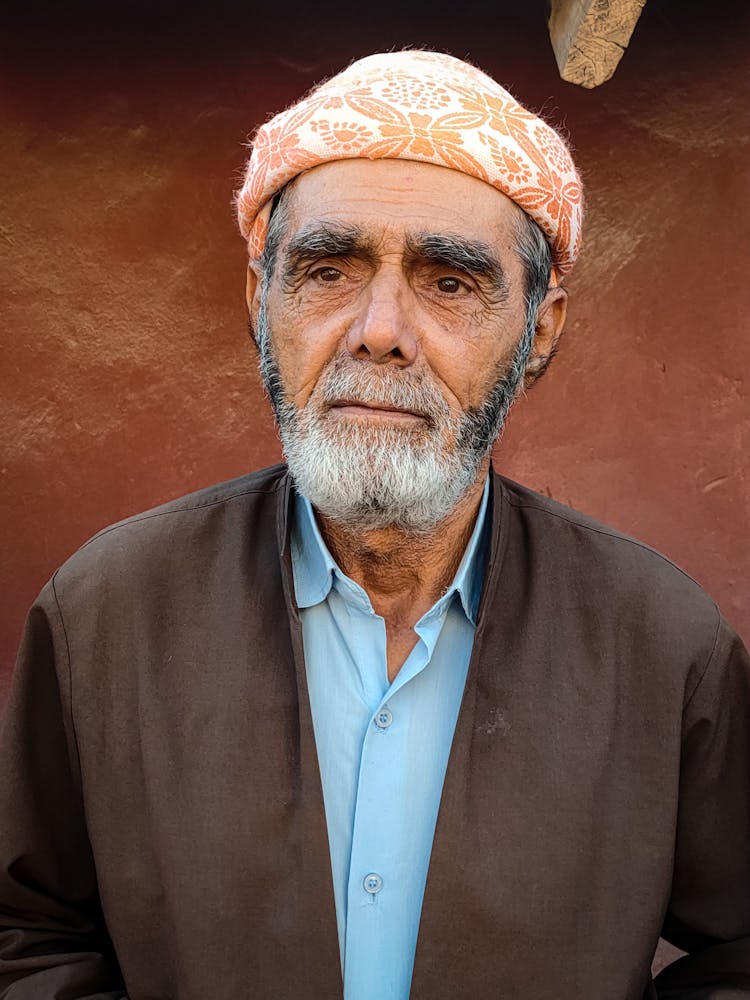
550	320
253	293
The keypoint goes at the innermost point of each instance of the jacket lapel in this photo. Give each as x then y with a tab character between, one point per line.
444	956
317	962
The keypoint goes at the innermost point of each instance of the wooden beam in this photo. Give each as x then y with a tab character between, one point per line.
589	37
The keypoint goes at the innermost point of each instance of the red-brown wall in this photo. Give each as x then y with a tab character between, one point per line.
127	376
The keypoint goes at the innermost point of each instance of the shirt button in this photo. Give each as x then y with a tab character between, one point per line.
384	718
373	883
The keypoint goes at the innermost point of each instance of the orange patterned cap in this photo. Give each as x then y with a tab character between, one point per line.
416	105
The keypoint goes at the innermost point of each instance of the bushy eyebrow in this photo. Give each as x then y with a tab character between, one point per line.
471	256
317	241
320	240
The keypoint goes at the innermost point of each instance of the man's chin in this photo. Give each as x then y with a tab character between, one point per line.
381	487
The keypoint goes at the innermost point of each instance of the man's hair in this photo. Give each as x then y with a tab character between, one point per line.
531	246
535	254
277	224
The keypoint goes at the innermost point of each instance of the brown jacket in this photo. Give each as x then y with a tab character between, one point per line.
163	832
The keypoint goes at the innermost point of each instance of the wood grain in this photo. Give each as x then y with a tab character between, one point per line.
589	37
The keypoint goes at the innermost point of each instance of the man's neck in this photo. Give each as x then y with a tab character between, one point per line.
404	574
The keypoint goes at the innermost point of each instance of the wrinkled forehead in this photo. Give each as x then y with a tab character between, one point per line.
398	194
396	212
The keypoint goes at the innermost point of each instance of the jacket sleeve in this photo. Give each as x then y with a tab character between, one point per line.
53	941
709	911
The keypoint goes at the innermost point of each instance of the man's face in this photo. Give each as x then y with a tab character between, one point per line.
391	323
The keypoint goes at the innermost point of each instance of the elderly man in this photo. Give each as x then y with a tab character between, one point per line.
381	723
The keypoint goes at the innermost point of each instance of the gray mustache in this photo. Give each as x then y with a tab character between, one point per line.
367	383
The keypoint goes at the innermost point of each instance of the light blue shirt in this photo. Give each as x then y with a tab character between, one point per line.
382	748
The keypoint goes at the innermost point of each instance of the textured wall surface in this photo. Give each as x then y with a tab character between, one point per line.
127	376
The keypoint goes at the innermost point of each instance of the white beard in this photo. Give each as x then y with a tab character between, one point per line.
370	476
373	476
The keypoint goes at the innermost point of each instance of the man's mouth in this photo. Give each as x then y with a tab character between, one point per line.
367	410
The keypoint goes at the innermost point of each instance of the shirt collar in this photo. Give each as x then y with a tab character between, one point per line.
314	566
469	578
312	563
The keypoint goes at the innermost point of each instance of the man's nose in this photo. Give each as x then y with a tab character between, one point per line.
384	330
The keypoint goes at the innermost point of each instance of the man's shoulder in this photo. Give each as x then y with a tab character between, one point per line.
181	527
581	546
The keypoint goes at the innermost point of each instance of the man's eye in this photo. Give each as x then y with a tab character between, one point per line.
450	285
326	274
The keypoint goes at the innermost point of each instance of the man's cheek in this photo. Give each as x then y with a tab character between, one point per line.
302	368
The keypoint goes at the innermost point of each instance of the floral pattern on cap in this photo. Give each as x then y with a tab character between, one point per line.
426	106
